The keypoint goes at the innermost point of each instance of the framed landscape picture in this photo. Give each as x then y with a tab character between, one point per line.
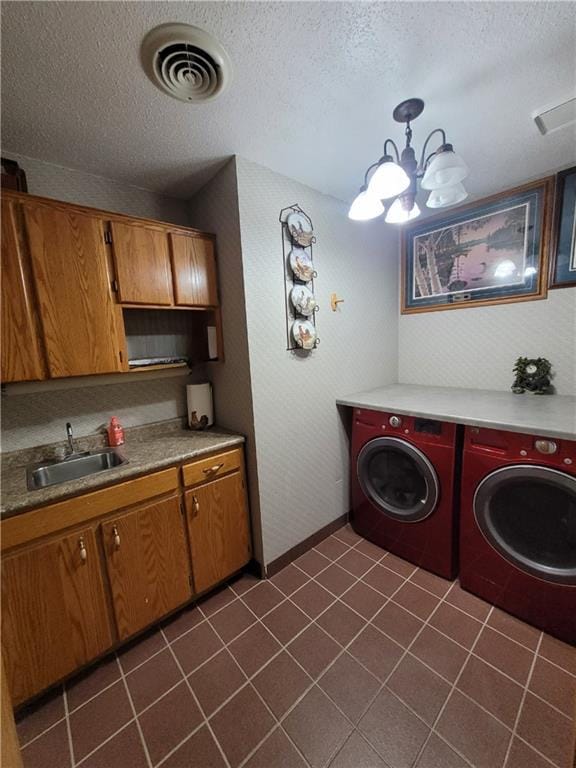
492	251
563	261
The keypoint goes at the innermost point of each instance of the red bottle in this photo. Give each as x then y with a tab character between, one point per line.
115	433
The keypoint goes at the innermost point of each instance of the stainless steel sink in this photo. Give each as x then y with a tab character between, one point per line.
73	467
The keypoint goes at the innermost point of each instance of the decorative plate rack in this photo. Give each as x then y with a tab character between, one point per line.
297	232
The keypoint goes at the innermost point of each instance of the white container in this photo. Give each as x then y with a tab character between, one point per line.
200	407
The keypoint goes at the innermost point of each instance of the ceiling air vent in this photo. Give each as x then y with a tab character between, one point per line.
186	62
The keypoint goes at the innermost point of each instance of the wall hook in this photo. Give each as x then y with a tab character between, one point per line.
334	301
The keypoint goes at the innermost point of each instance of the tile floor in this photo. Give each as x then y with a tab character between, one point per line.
349	658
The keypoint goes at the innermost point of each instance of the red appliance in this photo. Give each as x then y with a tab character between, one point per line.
518	526
403	487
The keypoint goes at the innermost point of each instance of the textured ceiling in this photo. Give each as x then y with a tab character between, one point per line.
313	92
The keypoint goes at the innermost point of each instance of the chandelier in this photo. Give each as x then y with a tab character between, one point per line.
396	179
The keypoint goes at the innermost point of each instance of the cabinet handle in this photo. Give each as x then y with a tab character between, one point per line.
83	553
195	506
215	468
116	537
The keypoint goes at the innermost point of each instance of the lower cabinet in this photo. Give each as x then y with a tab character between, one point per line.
54	616
148	564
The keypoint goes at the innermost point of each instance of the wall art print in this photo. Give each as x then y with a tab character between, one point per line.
563	261
489	252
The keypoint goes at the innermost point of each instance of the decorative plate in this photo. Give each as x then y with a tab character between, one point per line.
303	300
300	229
301	264
304	334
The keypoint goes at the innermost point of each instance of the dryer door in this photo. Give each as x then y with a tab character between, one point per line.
398	478
528	514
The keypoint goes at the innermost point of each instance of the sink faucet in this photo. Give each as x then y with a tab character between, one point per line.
71	448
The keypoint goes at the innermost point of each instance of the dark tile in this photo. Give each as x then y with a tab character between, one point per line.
281	683
355	562
514	628
459	626
402	567
523	756
474	733
193	648
371	550
513	659
348	535
335	579
124	750
393	730
314	650
140	649
489	688
254	648
152	679
553	684
216	681
169	721
341	623
376	652
214	602
431	582
243	583
547	731
289	579
91	682
312	599
416	600
420	688
439	652
364	600
398	624
199	751
99	719
182	622
357	753
241	725
383	579
437	754
312	562
276	752
317	728
232	620
559	653
37	717
332	548
349	686
286	621
468	603
51	750
263	598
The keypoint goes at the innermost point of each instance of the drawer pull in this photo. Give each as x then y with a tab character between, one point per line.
83	553
195	506
215	468
116	537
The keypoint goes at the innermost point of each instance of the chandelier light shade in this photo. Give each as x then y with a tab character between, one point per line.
395	178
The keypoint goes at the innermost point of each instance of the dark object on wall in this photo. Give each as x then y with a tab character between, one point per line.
13	177
492	251
532	375
563	254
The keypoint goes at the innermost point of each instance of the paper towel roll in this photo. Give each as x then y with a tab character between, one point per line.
200	408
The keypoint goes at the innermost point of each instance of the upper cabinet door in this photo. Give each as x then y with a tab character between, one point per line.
142	264
22	358
78	315
194	271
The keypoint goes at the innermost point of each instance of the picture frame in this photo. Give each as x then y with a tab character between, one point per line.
563	256
491	251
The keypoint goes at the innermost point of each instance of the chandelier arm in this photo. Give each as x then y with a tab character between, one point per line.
368	171
422	163
390	141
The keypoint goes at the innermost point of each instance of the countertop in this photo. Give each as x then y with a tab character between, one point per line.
545	415
147	449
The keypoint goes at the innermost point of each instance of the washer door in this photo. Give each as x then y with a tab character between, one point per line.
398	479
528	514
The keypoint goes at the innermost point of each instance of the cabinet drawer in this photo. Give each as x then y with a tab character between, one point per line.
212	467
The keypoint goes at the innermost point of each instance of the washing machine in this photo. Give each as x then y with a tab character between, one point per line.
404	471
518	526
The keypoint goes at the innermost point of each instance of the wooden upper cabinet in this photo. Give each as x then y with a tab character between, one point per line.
77	312
54	614
22	356
142	262
219	529
148	566
194	271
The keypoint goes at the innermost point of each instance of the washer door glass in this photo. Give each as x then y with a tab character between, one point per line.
528	514
398	478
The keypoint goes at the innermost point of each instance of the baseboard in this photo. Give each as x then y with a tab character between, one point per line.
292	554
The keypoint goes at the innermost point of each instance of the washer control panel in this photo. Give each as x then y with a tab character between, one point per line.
395	421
